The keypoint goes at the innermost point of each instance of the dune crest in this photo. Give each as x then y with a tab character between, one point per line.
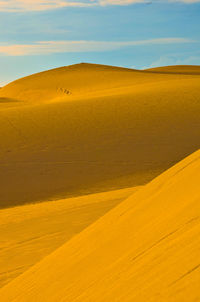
146	249
85	78
177	69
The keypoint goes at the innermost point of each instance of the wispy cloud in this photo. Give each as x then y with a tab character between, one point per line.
40	5
49	47
3	83
175	59
120	2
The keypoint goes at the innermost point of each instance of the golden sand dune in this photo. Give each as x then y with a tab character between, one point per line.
30	232
146	249
179	69
84	78
90	128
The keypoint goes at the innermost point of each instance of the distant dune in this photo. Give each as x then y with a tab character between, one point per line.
89	128
177	69
146	249
84	78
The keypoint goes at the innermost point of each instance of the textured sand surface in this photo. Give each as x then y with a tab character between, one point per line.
85	129
30	232
89	128
145	249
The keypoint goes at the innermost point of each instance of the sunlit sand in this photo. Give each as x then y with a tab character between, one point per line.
30	232
146	249
99	185
115	128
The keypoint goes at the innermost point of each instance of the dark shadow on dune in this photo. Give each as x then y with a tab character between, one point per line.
8	100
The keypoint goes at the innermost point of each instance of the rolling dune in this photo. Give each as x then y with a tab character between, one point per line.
177	69
89	128
146	249
84	129
82	79
31	232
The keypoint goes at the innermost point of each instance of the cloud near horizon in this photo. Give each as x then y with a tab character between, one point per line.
49	47
41	5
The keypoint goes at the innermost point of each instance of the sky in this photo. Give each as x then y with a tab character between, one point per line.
37	35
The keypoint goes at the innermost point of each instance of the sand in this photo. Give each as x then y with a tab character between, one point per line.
145	249
177	69
90	128
70	133
31	232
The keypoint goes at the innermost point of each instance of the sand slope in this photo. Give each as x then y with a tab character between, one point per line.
116	128
84	78
30	232
146	249
177	69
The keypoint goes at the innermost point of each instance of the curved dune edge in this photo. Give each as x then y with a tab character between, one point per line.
146	249
177	69
31	232
116	128
84	78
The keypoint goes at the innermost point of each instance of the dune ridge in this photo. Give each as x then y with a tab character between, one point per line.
146	249
85	78
89	128
31	232
177	69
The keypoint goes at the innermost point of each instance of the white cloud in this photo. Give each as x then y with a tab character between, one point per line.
174	60
40	5
3	83
49	47
120	2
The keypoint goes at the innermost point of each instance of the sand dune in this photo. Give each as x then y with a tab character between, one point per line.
146	249
30	232
84	78
177	69
90	128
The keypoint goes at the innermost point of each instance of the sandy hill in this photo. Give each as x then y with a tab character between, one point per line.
88	128
73	80
31	232
85	78
146	249
177	69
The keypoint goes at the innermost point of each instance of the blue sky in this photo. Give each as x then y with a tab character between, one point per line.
37	35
